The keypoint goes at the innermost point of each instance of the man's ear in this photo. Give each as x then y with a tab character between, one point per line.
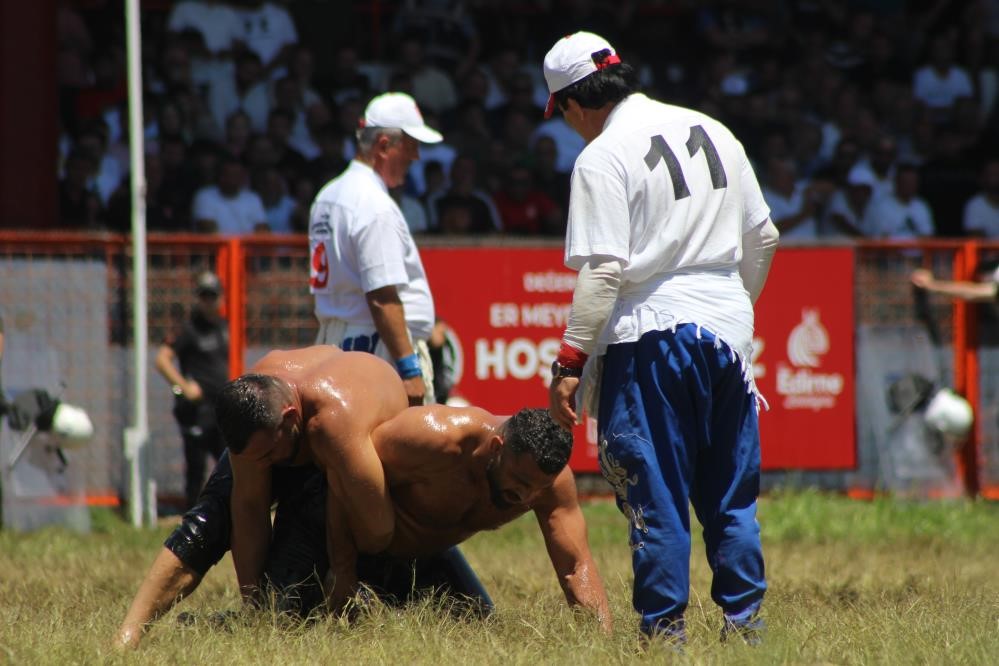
289	416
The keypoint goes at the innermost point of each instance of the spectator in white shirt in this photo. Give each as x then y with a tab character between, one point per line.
443	153
981	212
432	87
793	203
229	207
216	22
246	90
269	31
279	207
847	209
903	214
878	167
941	82
412	210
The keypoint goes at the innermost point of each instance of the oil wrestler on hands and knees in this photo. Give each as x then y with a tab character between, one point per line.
369	284
672	240
296	412
504	468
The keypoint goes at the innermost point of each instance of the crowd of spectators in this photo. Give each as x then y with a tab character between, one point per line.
874	118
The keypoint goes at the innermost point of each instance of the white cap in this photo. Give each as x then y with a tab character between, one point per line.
396	110
574	57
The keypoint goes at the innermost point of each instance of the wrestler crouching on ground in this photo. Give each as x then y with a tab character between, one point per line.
298	414
451	472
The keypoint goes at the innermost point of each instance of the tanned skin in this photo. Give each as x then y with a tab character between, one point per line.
328	418
446	473
450	476
331	403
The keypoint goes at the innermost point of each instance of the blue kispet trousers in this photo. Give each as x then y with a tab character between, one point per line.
677	422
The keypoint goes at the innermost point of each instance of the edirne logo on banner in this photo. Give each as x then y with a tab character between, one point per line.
801	383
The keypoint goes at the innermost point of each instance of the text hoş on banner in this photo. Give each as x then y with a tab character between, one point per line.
509	306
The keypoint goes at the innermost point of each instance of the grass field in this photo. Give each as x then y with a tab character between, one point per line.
884	582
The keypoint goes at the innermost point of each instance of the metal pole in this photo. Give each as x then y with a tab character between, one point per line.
137	436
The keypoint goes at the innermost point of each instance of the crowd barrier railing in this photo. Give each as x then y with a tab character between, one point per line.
66	297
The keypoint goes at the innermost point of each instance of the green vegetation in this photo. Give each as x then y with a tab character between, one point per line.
883	582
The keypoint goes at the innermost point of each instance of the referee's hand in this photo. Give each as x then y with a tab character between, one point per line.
415	390
561	399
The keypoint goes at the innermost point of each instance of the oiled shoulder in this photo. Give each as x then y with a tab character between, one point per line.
428	438
358	381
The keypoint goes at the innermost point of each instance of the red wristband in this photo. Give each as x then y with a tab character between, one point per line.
570	357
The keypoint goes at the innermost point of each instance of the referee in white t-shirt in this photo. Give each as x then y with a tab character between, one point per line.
365	271
673	241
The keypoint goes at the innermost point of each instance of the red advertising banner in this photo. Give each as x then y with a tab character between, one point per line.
508	307
803	360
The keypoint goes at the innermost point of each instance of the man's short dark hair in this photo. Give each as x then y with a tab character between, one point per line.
533	431
246	405
605	86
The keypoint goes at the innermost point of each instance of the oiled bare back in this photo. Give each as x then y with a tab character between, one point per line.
361	389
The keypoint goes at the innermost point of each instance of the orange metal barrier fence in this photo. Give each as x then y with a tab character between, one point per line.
268	306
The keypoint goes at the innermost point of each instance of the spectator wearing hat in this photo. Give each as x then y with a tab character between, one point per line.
369	284
196	364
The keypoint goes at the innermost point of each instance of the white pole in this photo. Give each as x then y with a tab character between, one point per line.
137	436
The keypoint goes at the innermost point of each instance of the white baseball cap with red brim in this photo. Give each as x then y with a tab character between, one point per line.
574	57
396	110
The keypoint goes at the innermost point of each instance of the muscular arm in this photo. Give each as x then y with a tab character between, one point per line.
341	581
251	521
356	480
980	292
169	580
564	528
390	322
359	511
